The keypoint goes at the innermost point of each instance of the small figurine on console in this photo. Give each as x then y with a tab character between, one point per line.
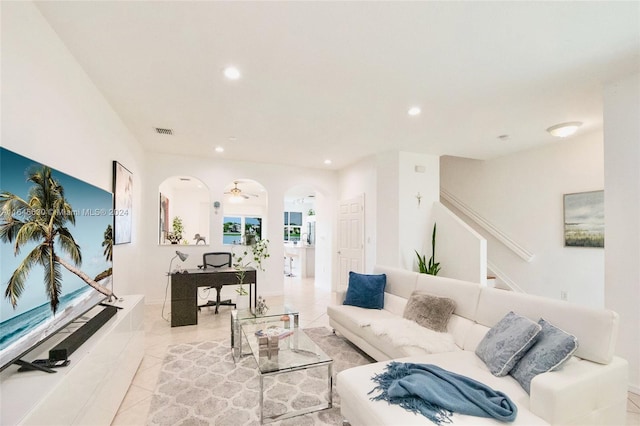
261	306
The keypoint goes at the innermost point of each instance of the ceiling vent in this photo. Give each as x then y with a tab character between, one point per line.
164	131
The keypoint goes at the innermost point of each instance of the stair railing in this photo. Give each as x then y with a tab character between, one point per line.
523	253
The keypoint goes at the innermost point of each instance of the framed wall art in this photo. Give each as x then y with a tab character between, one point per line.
584	219
122	204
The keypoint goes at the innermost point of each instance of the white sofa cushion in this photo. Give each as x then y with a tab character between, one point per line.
354	318
399	281
596	329
459	328
394	304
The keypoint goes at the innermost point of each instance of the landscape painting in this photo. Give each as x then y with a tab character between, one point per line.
584	219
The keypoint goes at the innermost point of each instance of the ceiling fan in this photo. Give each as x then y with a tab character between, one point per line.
236	192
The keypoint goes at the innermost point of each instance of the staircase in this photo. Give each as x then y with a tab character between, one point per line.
496	278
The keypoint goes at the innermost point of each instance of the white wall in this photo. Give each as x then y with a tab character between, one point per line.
461	252
387	209
53	113
395	224
217	174
415	219
522	195
622	210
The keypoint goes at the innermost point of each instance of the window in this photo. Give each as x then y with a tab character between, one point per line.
241	229
292	226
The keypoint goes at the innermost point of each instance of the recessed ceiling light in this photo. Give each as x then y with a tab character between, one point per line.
232	73
327	161
413	111
219	149
563	130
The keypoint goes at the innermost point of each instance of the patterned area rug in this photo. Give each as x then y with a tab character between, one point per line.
200	385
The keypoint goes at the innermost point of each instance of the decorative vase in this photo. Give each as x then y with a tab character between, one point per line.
242	302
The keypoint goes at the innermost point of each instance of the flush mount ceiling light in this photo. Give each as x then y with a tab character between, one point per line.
563	130
232	73
327	162
413	111
219	149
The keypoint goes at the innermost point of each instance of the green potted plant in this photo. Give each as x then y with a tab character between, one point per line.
254	256
432	267
176	235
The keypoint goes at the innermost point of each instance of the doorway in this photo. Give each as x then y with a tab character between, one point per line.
350	239
299	233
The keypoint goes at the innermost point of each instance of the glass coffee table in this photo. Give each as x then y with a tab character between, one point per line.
288	349
282	315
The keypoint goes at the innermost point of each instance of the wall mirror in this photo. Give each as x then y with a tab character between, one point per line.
244	207
183	211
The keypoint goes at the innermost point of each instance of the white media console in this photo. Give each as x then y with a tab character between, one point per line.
90	389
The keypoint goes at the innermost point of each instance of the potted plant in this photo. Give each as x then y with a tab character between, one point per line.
253	256
432	267
176	235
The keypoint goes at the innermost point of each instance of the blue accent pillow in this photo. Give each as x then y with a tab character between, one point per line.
366	291
553	348
507	342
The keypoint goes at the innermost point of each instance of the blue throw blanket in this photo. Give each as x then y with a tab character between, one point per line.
437	393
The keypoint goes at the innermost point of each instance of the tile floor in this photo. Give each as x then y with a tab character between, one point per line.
310	300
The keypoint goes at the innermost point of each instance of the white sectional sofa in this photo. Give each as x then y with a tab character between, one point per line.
589	389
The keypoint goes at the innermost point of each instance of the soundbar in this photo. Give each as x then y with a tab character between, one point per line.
59	355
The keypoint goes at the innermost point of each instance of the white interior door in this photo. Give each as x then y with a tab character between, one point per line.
350	239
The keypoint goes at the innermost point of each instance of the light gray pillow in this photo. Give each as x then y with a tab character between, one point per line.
429	311
507	342
553	348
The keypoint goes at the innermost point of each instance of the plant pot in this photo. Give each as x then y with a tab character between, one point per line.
242	302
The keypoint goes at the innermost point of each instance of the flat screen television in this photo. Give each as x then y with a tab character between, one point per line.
78	241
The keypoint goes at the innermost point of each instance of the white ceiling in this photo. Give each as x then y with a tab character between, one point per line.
335	79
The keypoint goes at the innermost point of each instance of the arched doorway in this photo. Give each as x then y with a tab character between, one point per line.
183	211
244	208
300	232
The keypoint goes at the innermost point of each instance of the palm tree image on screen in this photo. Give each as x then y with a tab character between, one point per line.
43	219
